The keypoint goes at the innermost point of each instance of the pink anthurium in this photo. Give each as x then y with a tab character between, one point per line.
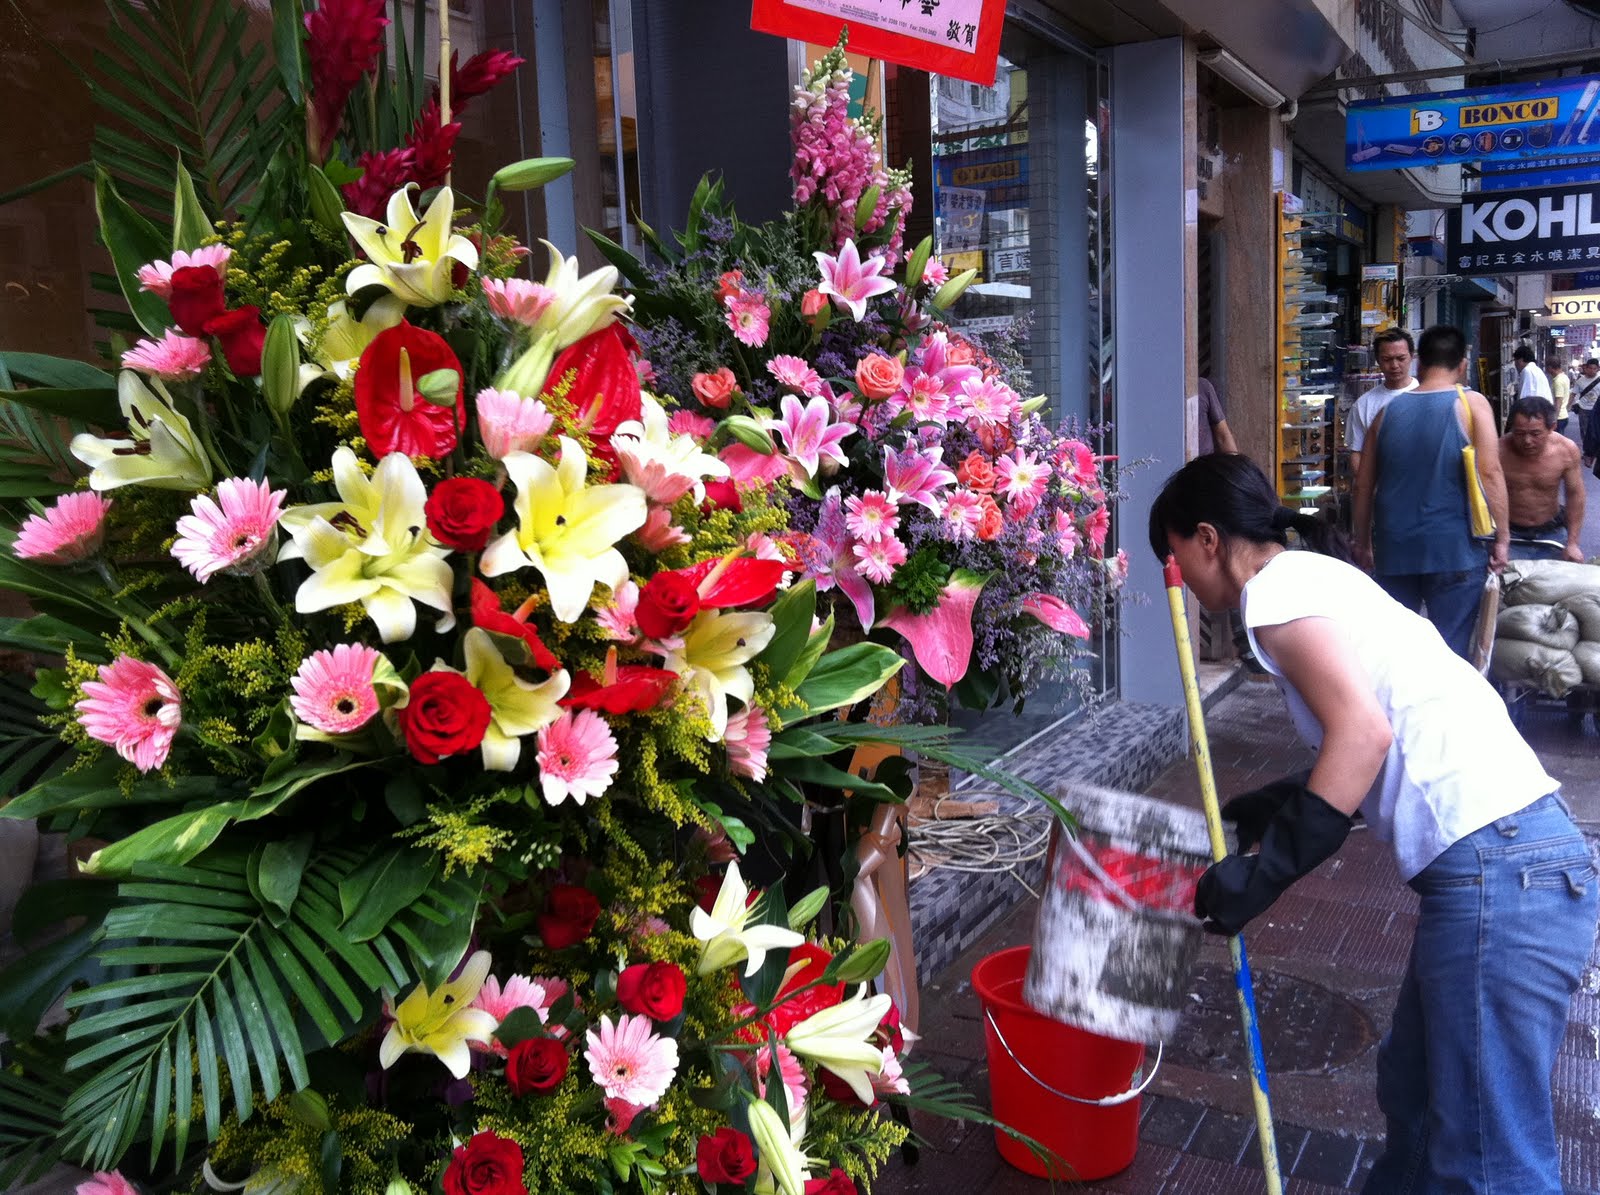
1055	614
941	639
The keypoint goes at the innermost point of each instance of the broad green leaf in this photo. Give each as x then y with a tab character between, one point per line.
791	621
800	742
386	884
326	204
816	644
95	787
848	675
629	266
133	242
288	35
279	871
61	373
97	406
825	775
190	225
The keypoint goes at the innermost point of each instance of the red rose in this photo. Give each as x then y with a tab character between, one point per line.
196	297
462	511
242	335
485	1165
837	1183
667	603
569	916
729	285
722	494
536	1064
725	1157
992	522
444	715
655	990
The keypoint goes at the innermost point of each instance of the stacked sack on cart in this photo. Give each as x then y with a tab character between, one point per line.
1547	636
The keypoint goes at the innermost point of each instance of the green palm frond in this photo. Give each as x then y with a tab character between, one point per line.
29	750
232	992
32	1107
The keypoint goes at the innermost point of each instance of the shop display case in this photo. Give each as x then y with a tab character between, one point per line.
1310	342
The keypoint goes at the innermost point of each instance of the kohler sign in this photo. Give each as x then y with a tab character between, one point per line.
1519	232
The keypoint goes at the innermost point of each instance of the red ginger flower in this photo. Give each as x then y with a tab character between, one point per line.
432	147
343	40
382	174
477	75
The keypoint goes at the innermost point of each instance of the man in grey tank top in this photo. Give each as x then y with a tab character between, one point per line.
1412	527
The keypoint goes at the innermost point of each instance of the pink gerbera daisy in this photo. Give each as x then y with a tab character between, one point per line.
1076	459
987	402
789	1066
157	276
1021	477
795	374
749	318
577	758
173	358
659	531
511	423
630	1061
135	708
517	299
500	1001
687	423
962	514
871	516
926	399
1066	534
618	619
1096	527
236	531
106	1182
333	690
877	561
747	739
70	531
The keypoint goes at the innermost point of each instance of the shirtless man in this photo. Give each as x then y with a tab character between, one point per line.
1537	465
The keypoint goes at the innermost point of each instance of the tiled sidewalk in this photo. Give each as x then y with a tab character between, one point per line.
1328	960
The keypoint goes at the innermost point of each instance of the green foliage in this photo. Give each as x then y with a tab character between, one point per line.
283	1140
919	583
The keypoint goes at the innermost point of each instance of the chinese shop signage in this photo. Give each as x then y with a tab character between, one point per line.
956	38
1517	122
1521	232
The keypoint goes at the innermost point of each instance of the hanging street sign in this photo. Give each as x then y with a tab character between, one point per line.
1524	232
956	38
1522	122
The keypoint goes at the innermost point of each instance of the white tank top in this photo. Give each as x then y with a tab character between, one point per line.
1456	763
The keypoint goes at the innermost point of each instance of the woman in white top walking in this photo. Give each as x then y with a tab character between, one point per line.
1411	736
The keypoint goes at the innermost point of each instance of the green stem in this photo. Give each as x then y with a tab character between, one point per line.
264	588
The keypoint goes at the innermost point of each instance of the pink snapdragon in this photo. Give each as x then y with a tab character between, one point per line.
135	708
173	358
807	434
879	559
157	276
334	691
749	318
69	532
871	516
794	373
517	299
851	282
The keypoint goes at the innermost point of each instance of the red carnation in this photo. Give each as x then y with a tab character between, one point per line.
462	511
242	336
605	383
196	298
486	613
725	1157
654	990
343	40
485	1165
569	916
536	1064
444	715
394	416
667	604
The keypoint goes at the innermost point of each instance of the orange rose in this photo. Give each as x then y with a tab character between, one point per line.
992	523
730	285
879	376
960	352
976	473
812	303
715	389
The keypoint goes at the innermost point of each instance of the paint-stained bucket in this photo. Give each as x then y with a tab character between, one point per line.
1116	935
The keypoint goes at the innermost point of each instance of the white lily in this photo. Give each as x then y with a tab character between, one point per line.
566	529
711	656
517	707
411	256
782	1165
581	304
726	934
836	1039
344	339
162	452
664	466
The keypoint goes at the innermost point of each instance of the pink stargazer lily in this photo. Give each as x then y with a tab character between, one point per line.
852	281
936	364
915	475
834	564
807	434
1055	614
941	639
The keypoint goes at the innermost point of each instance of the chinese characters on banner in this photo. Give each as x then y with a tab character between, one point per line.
957	38
1520	232
961	214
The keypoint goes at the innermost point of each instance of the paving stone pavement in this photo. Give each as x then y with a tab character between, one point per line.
1328	960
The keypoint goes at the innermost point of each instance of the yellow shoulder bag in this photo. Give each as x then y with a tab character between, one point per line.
1477	504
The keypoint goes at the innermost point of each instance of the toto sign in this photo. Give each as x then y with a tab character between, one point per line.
1518	232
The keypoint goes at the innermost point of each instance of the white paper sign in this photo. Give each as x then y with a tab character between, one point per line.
951	23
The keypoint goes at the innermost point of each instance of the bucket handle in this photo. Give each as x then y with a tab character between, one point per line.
1107	1101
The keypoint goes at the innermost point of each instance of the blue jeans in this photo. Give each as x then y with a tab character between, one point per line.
1508	921
1451	600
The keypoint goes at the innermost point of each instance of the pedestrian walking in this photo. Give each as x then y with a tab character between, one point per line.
1394	351
1560	391
1410	512
1214	432
1584	393
1408	734
1531	381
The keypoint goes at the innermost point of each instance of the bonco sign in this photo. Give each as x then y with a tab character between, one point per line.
1512	232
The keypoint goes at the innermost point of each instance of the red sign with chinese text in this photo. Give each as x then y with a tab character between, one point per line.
956	38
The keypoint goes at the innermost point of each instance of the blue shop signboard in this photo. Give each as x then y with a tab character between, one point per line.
1516	122
1520	232
1000	173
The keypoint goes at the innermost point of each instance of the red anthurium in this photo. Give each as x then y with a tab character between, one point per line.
395	417
807	962
605	387
486	613
735	581
628	689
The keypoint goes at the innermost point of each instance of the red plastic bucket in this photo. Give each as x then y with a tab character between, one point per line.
1040	1070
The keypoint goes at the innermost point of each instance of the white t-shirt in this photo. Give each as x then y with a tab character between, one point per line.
1584	394
1534	383
1456	763
1366	410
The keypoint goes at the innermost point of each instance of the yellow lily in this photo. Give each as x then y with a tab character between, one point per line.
711	656
566	529
836	1039
410	256
163	452
726	935
582	304
516	707
782	1165
344	339
372	548
441	1022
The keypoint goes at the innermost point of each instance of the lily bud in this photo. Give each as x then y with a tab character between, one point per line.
866	205
530	173
749	433
953	290
918	264
280	366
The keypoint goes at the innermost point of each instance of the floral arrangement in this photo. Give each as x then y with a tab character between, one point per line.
414	681
923	489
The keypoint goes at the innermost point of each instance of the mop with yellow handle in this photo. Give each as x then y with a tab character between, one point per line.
1219	848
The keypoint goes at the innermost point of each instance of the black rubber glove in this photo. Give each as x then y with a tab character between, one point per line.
1250	812
1304	832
